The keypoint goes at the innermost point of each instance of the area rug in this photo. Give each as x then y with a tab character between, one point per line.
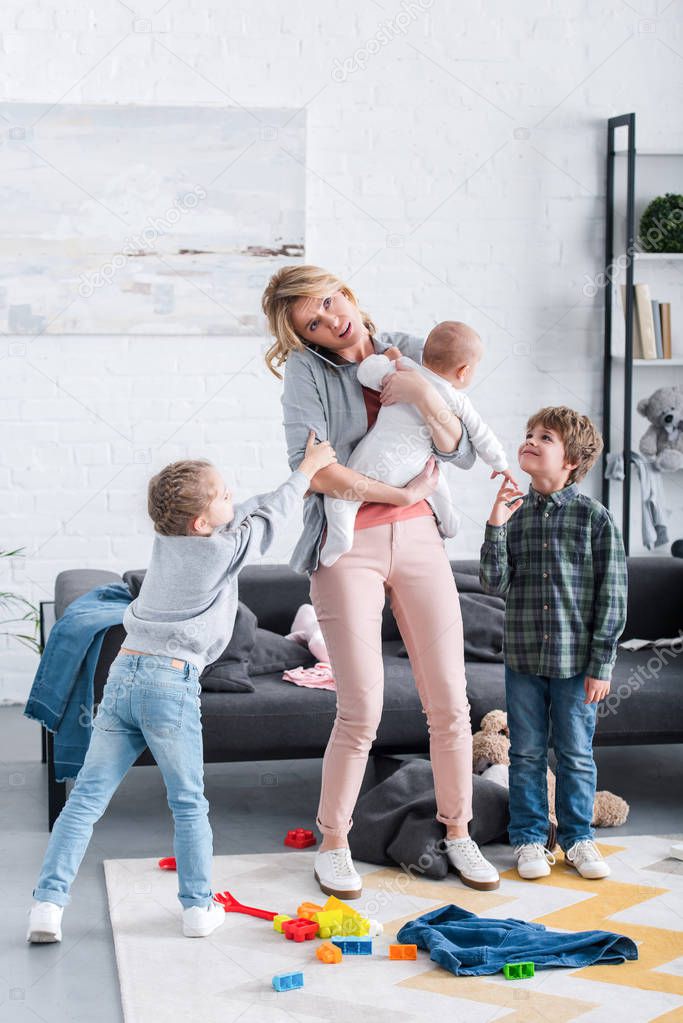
165	977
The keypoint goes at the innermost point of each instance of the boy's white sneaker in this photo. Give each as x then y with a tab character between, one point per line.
200	921
585	857
475	871
45	923
335	873
533	860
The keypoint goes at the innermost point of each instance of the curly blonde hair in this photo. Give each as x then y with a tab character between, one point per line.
582	442
287	285
177	494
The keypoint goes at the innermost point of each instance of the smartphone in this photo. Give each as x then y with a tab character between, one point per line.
327	355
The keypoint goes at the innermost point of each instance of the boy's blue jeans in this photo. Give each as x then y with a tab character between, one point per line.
534	703
146	702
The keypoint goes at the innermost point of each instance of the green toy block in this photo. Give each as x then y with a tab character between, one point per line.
518	971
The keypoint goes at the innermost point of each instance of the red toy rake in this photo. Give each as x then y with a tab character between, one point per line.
231	905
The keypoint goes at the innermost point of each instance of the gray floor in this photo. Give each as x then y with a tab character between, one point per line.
252	807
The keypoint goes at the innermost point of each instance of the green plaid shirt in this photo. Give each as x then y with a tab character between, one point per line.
560	560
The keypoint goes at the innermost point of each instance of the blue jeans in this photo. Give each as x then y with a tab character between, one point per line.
146	702
534	703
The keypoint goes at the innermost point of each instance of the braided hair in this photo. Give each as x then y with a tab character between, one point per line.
178	494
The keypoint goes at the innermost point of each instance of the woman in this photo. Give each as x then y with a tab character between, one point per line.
321	335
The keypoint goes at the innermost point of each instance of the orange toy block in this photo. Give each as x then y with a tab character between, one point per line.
328	953
403	951
308	910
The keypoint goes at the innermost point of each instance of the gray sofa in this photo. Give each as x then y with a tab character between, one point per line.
283	721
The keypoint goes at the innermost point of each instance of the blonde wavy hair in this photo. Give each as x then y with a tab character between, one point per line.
582	442
287	285
177	494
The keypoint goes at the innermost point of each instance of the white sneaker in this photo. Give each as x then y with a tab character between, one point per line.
585	857
200	921
533	860
465	857
335	873
45	922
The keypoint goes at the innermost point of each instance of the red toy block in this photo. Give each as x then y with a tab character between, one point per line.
299	929
403	951
168	863
299	838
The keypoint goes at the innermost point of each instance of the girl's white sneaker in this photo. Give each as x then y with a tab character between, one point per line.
45	923
200	921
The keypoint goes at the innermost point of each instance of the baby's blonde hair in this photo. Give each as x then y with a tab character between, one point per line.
287	285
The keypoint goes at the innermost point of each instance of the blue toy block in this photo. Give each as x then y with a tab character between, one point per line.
288	981
518	971
354	947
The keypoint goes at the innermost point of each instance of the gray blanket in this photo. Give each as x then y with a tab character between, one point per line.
394	821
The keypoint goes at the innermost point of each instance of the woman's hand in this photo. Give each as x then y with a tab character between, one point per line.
422	485
508	500
405	385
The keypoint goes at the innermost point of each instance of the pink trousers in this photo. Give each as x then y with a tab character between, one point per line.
408	560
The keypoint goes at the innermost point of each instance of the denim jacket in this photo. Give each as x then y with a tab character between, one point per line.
328	399
61	696
469	945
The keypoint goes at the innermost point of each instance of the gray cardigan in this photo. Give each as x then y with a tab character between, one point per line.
329	400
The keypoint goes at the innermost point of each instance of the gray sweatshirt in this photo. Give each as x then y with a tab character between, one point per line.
188	599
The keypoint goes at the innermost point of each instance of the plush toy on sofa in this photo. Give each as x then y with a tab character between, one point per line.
662	442
490	759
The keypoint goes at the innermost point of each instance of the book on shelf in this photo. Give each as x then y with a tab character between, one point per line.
651	324
656	319
665	312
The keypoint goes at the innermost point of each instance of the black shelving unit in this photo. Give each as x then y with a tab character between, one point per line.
627	121
621	212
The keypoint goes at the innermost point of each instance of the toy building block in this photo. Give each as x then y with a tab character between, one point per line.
308	910
300	838
329	922
328	953
353	922
334	903
351	947
167	863
403	951
518	971
279	920
299	929
288	981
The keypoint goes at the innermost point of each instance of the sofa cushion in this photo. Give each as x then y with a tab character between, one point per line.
229	673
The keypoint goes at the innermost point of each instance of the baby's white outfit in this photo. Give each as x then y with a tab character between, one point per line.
398	447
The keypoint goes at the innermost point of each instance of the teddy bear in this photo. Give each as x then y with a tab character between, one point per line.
490	759
662	442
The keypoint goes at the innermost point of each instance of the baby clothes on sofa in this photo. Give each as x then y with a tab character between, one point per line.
397	448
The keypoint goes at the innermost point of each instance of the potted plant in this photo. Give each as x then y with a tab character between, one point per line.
661	225
21	610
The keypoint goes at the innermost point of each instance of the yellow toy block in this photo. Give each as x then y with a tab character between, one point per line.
329	922
308	910
279	920
353	922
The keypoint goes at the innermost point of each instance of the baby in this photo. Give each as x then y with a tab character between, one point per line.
399	445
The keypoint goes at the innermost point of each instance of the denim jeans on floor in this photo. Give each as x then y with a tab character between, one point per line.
534	704
146	702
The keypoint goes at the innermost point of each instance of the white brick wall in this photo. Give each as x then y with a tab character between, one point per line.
422	191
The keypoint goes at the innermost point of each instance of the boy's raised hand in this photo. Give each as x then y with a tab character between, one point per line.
502	511
317	456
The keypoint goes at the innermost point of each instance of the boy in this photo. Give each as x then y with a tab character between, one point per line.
561	563
181	620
